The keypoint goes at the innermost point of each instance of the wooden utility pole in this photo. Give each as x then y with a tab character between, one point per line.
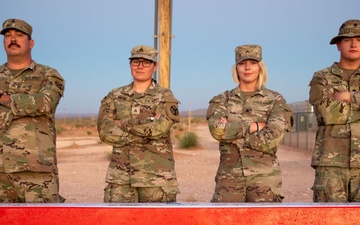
164	38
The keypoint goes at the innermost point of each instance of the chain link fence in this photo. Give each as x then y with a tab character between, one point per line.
303	133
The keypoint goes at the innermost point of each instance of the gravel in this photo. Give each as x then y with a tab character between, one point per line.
83	161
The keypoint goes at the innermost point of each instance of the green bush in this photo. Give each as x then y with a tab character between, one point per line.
188	140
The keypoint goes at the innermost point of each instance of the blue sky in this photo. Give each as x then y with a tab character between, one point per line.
89	42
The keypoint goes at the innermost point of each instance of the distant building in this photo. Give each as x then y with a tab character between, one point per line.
303	106
304	117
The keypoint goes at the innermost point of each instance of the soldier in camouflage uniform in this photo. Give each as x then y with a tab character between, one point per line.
248	121
335	96
30	93
136	120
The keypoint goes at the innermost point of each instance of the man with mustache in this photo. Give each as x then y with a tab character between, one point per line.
29	95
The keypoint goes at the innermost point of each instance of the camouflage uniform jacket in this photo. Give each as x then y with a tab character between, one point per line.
28	126
338	136
142	153
243	153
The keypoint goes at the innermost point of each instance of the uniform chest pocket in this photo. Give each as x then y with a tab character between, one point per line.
29	84
4	84
128	109
333	86
249	112
122	109
147	111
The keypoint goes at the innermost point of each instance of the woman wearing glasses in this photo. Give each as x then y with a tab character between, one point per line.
249	122
136	120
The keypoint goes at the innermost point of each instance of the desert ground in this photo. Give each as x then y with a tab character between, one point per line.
83	161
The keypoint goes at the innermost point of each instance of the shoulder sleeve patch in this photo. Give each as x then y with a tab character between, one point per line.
172	109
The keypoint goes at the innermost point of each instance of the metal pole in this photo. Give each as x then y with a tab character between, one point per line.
307	130
297	130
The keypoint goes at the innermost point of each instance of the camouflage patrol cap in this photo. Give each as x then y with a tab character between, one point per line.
350	28
145	52
248	52
16	24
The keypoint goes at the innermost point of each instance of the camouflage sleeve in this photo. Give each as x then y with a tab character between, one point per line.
279	121
355	101
155	127
6	117
224	131
109	131
327	110
43	102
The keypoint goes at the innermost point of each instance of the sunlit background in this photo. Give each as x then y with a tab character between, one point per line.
89	42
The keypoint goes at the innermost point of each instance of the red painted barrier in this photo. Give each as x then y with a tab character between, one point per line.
169	214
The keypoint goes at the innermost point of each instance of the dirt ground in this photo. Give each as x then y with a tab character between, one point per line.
83	161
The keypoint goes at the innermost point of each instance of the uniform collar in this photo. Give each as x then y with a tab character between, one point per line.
335	69
238	92
4	68
151	89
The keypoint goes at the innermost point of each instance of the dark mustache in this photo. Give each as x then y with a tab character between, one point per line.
14	45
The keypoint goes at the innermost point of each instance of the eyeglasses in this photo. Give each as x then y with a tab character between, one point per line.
145	63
